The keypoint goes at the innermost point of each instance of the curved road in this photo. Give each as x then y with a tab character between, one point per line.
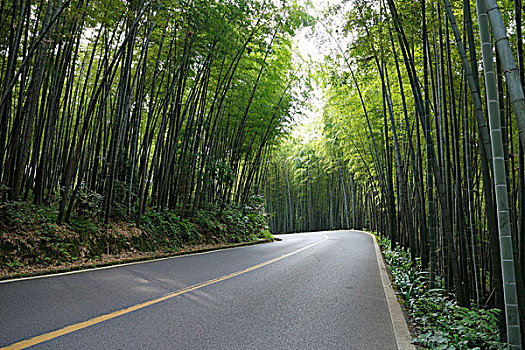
318	290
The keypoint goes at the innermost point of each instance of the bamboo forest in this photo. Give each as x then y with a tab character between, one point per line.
130	129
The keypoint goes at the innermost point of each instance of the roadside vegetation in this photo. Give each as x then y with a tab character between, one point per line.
132	127
32	241
439	322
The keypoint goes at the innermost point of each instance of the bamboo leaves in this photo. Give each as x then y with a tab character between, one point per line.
138	101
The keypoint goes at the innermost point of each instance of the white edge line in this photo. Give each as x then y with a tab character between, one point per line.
403	337
89	269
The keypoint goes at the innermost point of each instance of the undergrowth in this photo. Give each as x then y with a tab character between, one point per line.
440	323
30	237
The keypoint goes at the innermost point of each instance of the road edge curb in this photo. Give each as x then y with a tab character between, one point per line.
124	262
399	324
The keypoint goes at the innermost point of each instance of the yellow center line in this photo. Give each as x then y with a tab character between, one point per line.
78	326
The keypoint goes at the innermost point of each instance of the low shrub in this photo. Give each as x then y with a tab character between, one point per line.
168	231
440	323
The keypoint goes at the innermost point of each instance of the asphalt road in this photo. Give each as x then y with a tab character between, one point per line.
309	291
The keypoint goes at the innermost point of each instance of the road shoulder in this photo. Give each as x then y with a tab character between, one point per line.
402	334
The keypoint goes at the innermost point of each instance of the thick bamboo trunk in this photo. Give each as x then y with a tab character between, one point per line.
500	184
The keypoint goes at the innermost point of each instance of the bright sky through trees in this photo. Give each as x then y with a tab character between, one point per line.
309	51
313	44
